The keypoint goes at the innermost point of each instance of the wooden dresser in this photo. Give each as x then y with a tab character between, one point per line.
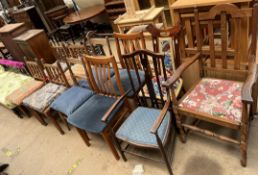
34	44
7	33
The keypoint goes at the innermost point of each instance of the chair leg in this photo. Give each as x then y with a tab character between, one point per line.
244	136
64	119
118	146
53	119
38	117
84	136
108	140
180	127
163	153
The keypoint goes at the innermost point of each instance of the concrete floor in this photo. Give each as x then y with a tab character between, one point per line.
32	149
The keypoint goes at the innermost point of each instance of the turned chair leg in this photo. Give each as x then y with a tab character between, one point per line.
53	119
180	127
107	137
84	136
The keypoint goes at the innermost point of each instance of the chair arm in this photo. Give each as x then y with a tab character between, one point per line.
246	93
161	117
178	72
113	107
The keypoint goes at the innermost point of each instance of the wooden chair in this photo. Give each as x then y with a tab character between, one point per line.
128	43
59	50
99	113
39	101
146	127
165	41
77	92
217	100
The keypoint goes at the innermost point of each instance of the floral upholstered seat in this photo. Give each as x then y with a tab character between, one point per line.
43	97
21	93
216	98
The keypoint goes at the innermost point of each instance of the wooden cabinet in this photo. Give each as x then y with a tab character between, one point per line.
7	33
30	17
34	44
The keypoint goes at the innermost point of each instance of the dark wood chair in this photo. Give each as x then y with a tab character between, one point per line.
218	100
149	126
99	113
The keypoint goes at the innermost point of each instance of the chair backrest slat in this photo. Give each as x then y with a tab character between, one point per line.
55	73
98	69
128	43
36	69
211	43
154	74
224	39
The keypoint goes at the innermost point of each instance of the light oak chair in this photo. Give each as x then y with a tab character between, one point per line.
218	98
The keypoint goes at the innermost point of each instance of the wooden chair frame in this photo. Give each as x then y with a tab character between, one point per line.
102	85
128	43
249	89
147	59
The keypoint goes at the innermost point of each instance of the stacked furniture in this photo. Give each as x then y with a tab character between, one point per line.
7	33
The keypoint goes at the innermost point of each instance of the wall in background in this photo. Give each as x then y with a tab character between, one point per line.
86	3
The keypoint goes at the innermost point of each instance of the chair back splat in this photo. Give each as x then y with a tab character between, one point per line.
221	28
128	43
36	70
163	38
55	73
99	71
155	72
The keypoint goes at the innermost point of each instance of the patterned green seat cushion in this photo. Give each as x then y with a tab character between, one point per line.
10	81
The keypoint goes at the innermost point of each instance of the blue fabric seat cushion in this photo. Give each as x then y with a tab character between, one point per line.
88	116
136	128
71	99
126	83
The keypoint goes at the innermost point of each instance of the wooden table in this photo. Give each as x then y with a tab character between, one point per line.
84	14
182	8
150	18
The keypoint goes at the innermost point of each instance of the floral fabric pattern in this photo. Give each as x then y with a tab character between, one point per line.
43	97
9	82
216	97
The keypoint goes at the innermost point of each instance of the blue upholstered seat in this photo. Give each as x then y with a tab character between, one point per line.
126	83
71	99
136	128
88	116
